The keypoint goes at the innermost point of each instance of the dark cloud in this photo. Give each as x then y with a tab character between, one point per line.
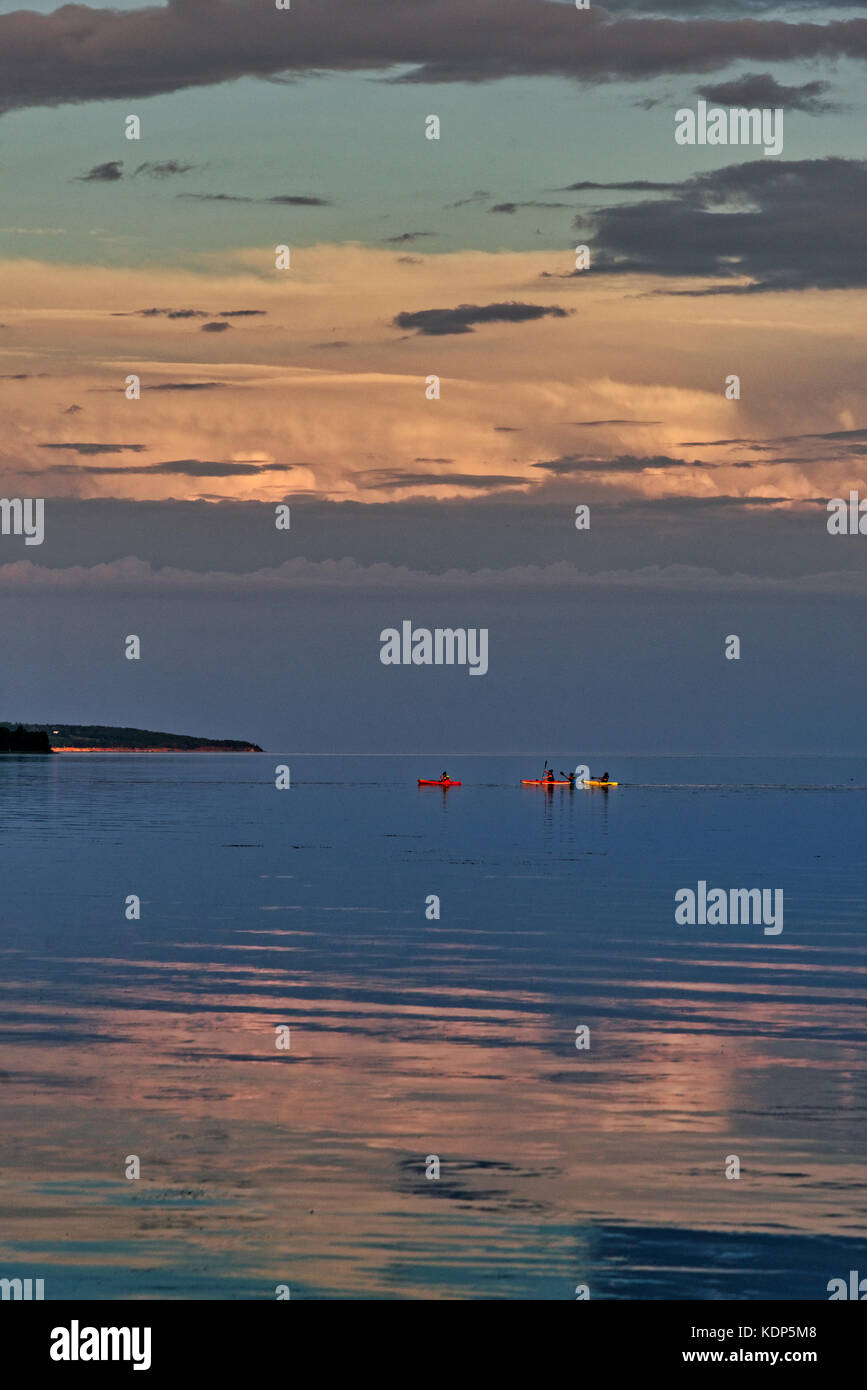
297	200
425	460
698	504
623	463
103	173
770	443
187	468
294	200
435	323
826	434
165	169
22	376
480	196
217	198
629	186
189	314
761	89
188	386
73	410
98	448
513	207
477	482
406	238
77	53
215	328
161	313
112	172
778	224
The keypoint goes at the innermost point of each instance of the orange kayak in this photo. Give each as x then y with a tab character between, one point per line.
438	782
543	782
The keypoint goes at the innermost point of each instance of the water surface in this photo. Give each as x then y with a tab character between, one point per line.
413	1037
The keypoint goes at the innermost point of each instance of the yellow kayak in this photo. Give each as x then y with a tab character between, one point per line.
595	782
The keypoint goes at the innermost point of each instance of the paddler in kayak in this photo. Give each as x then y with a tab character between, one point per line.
445	777
603	778
569	777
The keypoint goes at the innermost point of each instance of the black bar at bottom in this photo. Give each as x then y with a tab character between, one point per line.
167	1339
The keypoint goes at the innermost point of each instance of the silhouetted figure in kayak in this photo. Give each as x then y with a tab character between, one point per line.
445	777
549	775
604	777
569	777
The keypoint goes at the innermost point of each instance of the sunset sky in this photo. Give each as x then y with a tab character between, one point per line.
456	258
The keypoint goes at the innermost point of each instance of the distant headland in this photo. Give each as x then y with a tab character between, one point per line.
106	738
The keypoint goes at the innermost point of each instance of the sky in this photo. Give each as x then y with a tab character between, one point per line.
454	258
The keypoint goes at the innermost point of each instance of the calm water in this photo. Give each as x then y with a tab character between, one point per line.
412	1037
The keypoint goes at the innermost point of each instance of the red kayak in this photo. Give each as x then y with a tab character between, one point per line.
543	782
438	782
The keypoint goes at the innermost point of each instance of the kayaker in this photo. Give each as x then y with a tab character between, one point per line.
569	777
604	777
445	777
549	775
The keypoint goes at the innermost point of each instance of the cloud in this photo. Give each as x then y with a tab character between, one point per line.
513	207
769	444
477	482
294	200
103	173
826	434
435	323
587	424
775	224
215	327
480	196
623	463
186	468
629	186
760	89
406	238
162	313
189	314
189	386
98	448
347	576
78	53
165	169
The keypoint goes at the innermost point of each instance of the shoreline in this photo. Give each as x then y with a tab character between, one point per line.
205	748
